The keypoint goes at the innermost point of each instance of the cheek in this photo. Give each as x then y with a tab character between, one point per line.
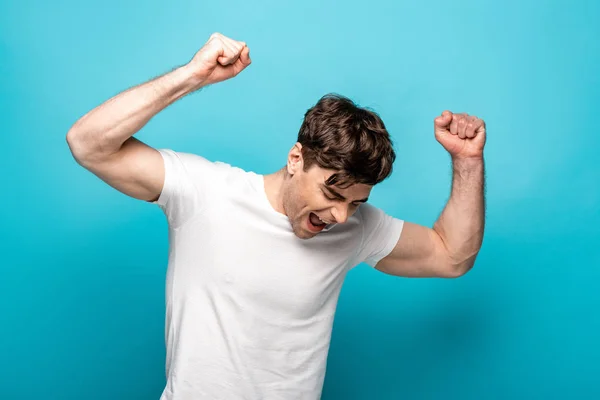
306	199
297	202
312	201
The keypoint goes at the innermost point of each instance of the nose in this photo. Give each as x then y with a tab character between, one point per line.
340	213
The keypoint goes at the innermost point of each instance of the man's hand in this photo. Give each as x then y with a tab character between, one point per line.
462	135
219	59
450	248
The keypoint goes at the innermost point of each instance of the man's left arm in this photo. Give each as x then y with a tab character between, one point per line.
450	248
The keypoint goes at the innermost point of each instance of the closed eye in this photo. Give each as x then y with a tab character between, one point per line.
340	198
328	197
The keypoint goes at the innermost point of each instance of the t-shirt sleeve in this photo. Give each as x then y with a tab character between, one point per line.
188	180
381	233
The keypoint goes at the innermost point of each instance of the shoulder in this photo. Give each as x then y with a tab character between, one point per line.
195	165
191	160
374	221
368	215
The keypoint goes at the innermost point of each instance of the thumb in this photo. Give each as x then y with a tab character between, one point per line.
245	56
444	119
442	123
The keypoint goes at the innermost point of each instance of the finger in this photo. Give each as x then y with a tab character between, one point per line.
462	127
225	54
224	38
231	53
443	120
214	45
230	50
470	129
239	66
233	44
479	127
482	127
454	124
239	45
245	56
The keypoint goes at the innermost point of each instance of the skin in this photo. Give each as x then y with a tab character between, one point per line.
449	249
102	141
296	193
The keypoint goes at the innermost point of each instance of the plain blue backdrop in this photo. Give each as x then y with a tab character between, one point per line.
83	266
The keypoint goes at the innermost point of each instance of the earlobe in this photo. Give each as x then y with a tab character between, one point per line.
295	160
290	166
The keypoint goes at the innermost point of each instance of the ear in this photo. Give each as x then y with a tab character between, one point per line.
295	162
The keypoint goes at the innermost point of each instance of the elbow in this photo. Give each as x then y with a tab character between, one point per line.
88	147
82	149
72	142
76	146
455	262
454	270
71	139
458	271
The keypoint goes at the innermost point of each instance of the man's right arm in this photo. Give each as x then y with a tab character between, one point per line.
102	140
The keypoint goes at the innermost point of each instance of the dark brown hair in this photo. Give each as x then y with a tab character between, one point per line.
337	134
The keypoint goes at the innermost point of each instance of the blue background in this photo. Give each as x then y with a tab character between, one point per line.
83	266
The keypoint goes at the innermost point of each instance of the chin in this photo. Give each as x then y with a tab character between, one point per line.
301	232
305	235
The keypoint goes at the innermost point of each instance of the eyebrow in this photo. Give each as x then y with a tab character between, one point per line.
340	197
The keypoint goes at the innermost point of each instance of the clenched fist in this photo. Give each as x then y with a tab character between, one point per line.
219	59
462	135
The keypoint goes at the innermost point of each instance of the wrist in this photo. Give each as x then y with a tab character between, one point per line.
478	160
467	167
186	81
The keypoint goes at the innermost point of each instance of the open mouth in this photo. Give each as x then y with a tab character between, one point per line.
315	224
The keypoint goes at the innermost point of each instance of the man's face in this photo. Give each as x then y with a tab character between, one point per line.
311	205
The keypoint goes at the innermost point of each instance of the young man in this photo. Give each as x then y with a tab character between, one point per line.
256	262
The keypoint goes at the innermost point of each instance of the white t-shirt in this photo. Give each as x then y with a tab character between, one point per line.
249	306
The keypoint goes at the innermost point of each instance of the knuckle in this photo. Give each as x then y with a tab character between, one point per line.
215	40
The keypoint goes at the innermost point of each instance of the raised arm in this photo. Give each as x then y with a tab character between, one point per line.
102	140
448	249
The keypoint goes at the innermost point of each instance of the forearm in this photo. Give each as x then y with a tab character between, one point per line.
103	130
461	223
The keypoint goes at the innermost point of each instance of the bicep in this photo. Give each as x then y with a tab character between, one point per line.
419	252
136	170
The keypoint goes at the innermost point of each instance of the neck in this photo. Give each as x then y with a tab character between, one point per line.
274	188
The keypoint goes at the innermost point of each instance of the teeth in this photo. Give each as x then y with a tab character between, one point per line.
321	220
